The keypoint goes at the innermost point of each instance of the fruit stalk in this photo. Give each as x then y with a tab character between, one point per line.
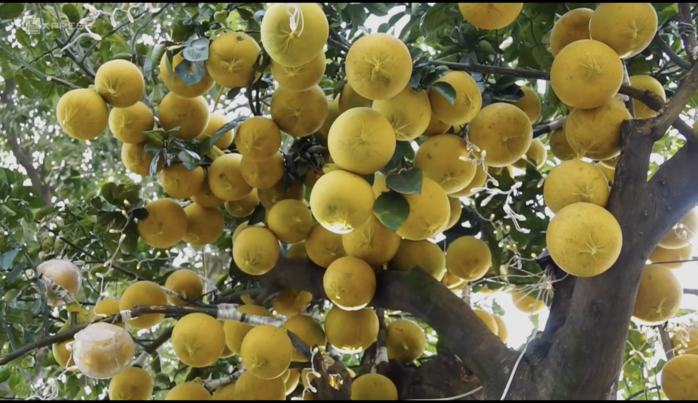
230	312
215	152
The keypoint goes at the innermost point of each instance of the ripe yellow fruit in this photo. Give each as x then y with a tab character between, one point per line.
243	207
536	156
373	243
378	66
628	28
424	254
225	178
575	181
102	350
608	173
250	387
487	319
466	105
595	133
235	331
351	332
660	255
559	145
266	351
429	212
63	273
323	246
332	114
294	33
342	201
165	225
584	239
143	293
231	56
373	387
186	283
263	174
572	26
302	77
455	212
468	258
128	124
408	112
503	131
61	354
647	83
174	84
435	126
132	384
205	197
439	158
290	301
586	74
404	340
685	341
297	251
452	282
659	295
490	15
678	378
225	392
256	250
349	283
348	98
198	340
188	391
180	182
269	197
474	186
529	103
137	160
527	302
290	221
258	138
120	83
682	233
611	163
308	330
191	115
215	122
82	113
502	331
301	113
294	378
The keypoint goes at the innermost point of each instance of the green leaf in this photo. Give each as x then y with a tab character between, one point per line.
190	72
405	182
7	258
257	215
130	243
446	90
370	178
140	213
5	371
152	63
497	309
197	51
206	145
10	11
154	164
188	159
107	192
392	209
71	12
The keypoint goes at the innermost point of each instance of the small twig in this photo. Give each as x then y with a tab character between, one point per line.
542	129
678	102
140	28
673	56
41	75
640	392
162	339
250	82
688	32
80	63
692	291
505	71
380	365
666	341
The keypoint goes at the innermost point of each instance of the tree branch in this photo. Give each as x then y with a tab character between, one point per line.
666	341
677	103
543	129
505	71
656	103
142	26
692	291
678	60
563	289
688	32
41	75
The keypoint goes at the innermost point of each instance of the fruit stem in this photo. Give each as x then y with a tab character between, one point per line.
215	152
218	98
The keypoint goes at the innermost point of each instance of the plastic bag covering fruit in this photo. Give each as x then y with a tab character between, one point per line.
102	350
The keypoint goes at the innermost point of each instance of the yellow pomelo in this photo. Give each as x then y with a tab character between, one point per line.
323	246
180	182
502	331
586	74
628	28
661	255
608	173
529	103
250	387
503	131
373	243
685	341
452	282
297	250
189	114
435	126
455	212
361	141
349	283
82	113
235	331
63	273
308	330
348	98
351	331
659	295
490	15
205	197
466	105
584	239
256	251
439	158
678	378
270	196
302	77
231	56
379	185
174	84
595	133
188	391
424	254
215	122
373	386
131	384
647	83
198	340
536	156
611	163
165	225
342	201
404	340
559	145
299	113
294	378
266	351
225	392
527	302
572	26
204	225
682	233
332	115
102	350
290	220
575	181
128	124
429	212
186	283
487	319
378	66
468	258
225	178
258	138
290	301
263	174
137	160
120	83
474	186
243	207
294	33
408	112
107	307
143	293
